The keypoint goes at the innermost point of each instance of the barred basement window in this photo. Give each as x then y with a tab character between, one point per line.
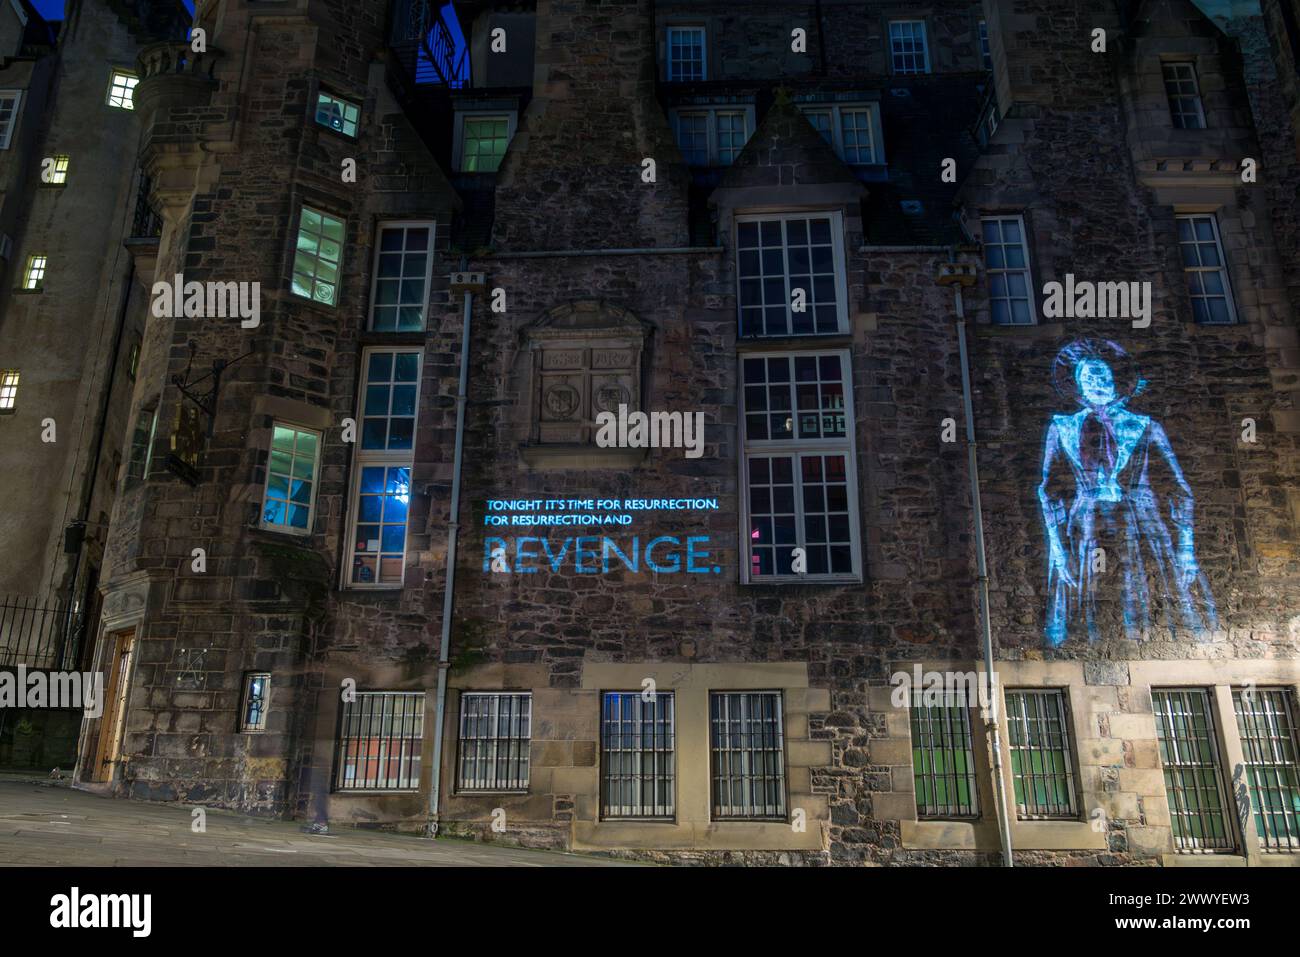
1042	766
687	61
257	694
1265	720
8	390
1185	107
380	738
9	100
1190	756
1006	261
121	89
390	389
637	756
403	267
318	260
747	748
791	274
1204	267
34	274
943	760
338	114
907	47
495	737
799	466
291	479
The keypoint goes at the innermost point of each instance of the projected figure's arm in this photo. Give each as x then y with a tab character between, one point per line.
1181	506
1054	510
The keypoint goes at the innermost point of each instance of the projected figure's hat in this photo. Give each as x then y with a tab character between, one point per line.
1122	367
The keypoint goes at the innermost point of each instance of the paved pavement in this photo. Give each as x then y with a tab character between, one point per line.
49	824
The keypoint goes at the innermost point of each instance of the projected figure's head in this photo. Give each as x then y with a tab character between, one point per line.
1095	381
1095	373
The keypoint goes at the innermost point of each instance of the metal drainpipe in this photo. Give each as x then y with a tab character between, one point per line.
453	534
986	629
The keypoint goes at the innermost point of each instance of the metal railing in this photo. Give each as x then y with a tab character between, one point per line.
426	48
39	634
145	222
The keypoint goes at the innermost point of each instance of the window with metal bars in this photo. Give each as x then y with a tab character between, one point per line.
747	749
1190	756
1266	722
637	755
381	734
495	735
1042	766
943	760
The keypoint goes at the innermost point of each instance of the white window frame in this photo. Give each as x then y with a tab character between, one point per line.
1222	268
1027	270
379	458
458	134
432	227
128	101
245	727
316	257
344	103
796	448
59	171
712	113
7	131
836	112
668	51
840	262
315	478
1195	96
925	47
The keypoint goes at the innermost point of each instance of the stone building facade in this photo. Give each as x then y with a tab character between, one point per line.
787	234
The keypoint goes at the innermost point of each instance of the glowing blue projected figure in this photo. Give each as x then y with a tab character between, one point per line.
1111	482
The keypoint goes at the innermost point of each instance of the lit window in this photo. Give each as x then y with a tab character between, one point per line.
1269	745
484	139
389	394
495	736
8	390
747	750
338	114
851	130
1205	269
637	755
686	57
1190	757
712	137
58	170
121	89
943	759
9	100
381	735
791	273
257	693
319	256
34	274
1185	107
141	455
291	479
1006	261
986	54
798	466
133	361
403	264
907	47
1042	768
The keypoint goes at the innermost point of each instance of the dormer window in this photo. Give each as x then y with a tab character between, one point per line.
482	138
1184	92
852	129
713	135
